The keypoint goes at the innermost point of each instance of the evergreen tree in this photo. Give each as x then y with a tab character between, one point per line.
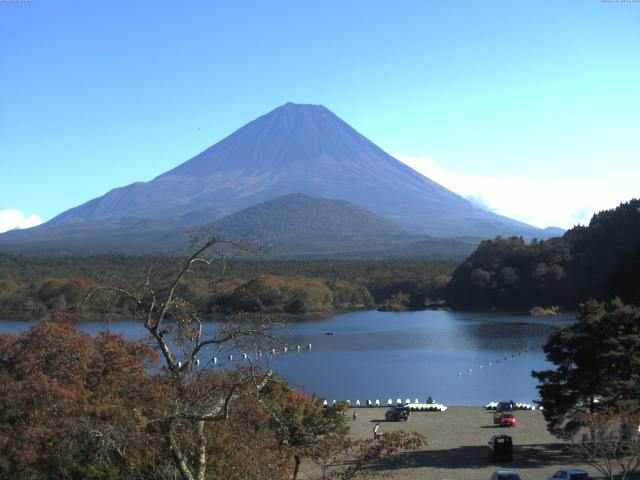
597	364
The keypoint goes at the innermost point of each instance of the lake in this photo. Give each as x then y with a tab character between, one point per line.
458	358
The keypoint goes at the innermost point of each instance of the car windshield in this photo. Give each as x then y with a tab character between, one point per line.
508	476
580	476
507	415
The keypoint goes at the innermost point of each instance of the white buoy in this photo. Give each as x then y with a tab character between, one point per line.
230	358
348	402
416	401
399	401
197	362
389	402
273	351
333	403
325	403
377	403
309	346
369	403
298	347
245	356
357	403
215	360
285	349
179	364
408	400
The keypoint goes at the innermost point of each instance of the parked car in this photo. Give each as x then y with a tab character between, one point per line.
397	413
501	448
505	407
505	419
570	474
505	475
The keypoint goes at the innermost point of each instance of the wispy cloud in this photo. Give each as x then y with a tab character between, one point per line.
12	219
539	204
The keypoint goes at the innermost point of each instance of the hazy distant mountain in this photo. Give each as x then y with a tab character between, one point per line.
291	226
553	232
294	148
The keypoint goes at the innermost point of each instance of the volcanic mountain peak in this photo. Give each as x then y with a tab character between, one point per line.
292	140
295	148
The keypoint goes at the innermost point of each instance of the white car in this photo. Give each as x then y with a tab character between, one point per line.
505	475
570	474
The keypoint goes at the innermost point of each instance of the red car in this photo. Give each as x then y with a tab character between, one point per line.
504	419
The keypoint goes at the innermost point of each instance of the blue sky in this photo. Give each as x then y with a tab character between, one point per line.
530	108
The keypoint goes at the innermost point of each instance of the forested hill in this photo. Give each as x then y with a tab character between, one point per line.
598	261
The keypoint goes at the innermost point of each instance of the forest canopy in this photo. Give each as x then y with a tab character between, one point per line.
599	261
39	286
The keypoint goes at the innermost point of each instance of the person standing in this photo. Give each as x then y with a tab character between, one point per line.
355	415
376	431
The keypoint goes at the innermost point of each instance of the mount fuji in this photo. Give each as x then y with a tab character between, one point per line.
294	149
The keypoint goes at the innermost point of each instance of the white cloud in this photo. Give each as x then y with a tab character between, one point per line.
539	204
11	219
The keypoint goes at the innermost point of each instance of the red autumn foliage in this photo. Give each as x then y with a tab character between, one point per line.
70	404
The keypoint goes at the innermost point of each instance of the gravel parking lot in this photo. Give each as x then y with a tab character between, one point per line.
458	449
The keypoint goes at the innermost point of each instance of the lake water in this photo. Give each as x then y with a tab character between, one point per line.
456	358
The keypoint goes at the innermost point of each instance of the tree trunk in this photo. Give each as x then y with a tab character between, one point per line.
296	469
179	458
201	459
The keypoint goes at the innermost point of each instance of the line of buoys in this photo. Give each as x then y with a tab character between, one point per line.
496	362
259	354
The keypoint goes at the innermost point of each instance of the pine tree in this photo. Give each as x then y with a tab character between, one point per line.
597	364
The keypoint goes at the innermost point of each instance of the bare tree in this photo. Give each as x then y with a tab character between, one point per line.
203	395
610	441
343	458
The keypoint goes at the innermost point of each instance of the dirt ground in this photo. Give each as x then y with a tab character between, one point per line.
457	444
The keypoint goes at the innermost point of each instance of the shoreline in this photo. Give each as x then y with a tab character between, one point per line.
76	317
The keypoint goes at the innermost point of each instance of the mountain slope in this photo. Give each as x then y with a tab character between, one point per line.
297	216
298	148
294	148
291	226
